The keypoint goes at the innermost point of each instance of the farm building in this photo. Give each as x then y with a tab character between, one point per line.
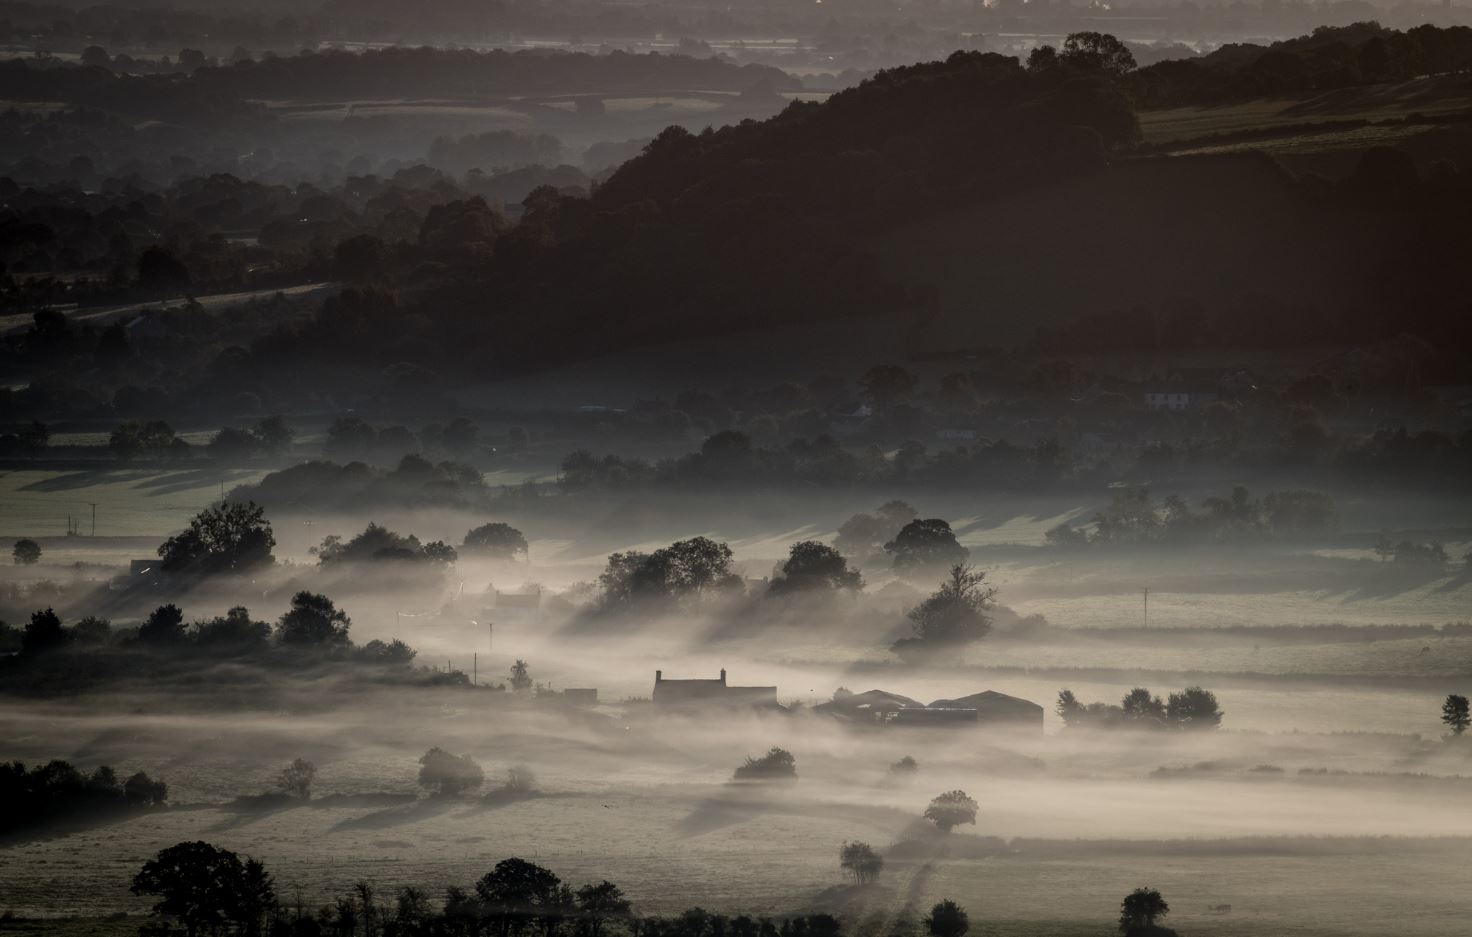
677	694
987	709
997	709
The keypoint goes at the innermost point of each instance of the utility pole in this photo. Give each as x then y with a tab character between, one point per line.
94	517
1147	606
474	669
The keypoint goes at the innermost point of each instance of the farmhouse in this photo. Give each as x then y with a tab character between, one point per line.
687	694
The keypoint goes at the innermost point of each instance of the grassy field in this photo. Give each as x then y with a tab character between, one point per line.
130	502
649	809
1430	97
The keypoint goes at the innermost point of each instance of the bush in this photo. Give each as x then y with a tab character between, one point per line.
777	764
447	775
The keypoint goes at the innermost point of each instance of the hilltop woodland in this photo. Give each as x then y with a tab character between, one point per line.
755	225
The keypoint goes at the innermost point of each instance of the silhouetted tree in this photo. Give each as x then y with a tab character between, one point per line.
496	541
947	919
206	888
1099	51
231	443
296	779
861	861
954	615
813	566
92	631
1193	708
925	544
234	631
313	621
776	764
164	626
44	633
517	893
1455	713
1141	908
26	552
448	775
521	678
230	538
906	765
950	810
142	790
598	904
273	435
1140	706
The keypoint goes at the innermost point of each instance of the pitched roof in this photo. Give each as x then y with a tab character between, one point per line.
989	701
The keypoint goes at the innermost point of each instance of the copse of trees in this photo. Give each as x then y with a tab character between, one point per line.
312	623
413	482
683	573
57	791
1329	57
1133	518
154	439
211	890
1192	709
377	543
235	631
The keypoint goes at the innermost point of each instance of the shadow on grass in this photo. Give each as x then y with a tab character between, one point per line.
244	811
502	797
86	478
408	814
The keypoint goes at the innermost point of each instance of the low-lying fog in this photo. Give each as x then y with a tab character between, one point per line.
1329	771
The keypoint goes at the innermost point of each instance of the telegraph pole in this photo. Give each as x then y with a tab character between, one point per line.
1147	606
94	517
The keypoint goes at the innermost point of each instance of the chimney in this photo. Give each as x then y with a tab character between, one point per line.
723	676
658	675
